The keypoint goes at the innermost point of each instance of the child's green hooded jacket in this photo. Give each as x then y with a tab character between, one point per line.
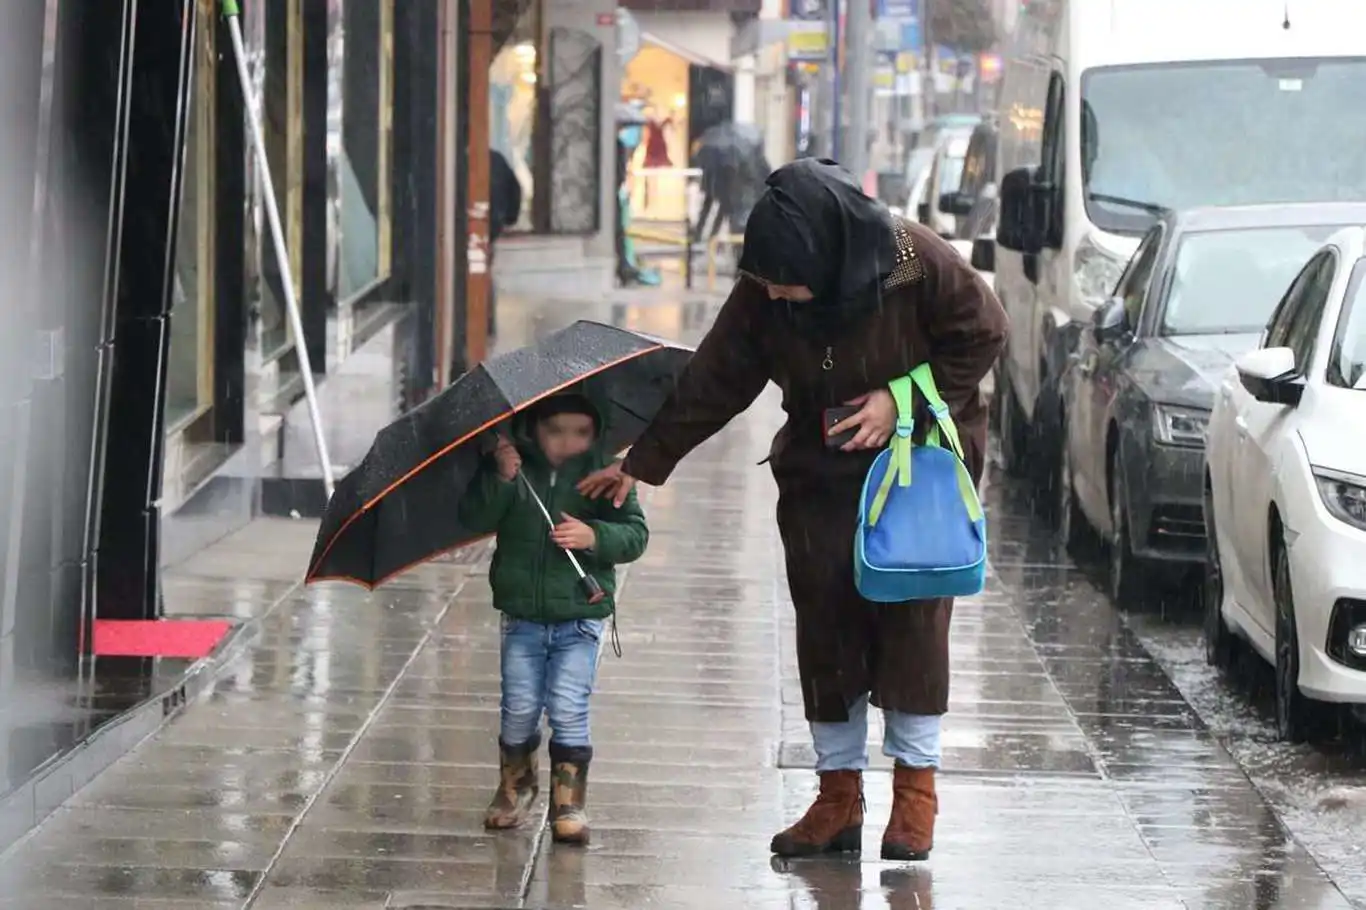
531	577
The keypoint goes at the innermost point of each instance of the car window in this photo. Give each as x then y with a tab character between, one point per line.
1133	284
1228	281
1278	328
1347	357
1305	310
979	168
1053	148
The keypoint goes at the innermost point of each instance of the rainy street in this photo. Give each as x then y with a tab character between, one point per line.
342	753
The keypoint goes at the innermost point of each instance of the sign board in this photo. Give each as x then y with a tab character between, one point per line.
808	10
808	45
898	9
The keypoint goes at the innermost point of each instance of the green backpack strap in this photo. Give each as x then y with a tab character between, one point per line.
944	430
899	470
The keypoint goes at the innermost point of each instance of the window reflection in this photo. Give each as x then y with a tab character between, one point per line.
362	162
512	107
189	380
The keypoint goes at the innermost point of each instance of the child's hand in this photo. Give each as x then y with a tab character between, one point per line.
572	534
508	459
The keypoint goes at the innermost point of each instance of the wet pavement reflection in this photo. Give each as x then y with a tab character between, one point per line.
344	759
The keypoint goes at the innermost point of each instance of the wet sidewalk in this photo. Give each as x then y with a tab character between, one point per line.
343	758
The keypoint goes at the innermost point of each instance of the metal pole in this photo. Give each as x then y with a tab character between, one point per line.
858	61
277	233
836	58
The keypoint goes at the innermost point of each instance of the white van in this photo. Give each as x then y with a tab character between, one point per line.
1113	109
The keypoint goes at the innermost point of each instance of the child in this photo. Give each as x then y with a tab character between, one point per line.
550	632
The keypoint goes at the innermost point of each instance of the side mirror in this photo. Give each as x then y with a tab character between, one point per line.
955	203
922	213
1109	321
1269	376
983	257
1018	227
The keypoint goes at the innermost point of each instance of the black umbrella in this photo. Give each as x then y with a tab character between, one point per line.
398	507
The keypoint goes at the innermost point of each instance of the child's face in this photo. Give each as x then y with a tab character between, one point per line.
563	436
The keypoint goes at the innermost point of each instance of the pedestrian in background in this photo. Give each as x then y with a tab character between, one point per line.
505	210
836	299
550	631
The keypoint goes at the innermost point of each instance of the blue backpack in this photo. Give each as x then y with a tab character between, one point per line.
921	532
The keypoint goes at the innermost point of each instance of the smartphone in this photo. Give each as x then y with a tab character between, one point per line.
833	416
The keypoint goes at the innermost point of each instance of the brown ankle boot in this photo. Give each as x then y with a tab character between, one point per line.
833	824
518	784
910	831
569	793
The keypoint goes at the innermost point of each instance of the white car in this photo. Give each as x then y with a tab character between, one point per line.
1285	495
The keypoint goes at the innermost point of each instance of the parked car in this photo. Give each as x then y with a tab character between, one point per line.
934	166
1285	495
974	202
1110	111
1138	392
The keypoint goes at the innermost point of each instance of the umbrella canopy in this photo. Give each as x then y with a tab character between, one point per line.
398	507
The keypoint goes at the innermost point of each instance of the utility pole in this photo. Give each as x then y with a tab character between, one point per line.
858	63
836	83
477	102
929	93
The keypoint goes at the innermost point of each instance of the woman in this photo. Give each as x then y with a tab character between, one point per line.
836	299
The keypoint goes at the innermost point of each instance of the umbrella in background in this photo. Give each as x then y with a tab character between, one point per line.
398	507
734	168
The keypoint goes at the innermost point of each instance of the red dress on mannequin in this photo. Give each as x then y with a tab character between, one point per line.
656	150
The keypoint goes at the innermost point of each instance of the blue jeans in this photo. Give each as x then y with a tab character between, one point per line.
911	739
548	668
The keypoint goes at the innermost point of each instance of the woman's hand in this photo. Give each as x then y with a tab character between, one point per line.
609	481
876	420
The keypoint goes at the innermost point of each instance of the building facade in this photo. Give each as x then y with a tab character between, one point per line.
149	383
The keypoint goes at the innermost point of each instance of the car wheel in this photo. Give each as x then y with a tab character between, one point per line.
1298	718
1220	643
1011	425
1126	575
1071	524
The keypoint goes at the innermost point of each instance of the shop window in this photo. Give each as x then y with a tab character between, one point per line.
274	47
189	379
360	110
514	106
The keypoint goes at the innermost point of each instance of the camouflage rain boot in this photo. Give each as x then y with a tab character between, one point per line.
569	793
518	784
910	831
833	824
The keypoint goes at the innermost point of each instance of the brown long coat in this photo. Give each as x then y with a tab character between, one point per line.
934	308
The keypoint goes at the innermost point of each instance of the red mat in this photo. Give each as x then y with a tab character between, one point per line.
158	637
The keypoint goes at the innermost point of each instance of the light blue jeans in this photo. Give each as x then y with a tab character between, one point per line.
911	739
548	668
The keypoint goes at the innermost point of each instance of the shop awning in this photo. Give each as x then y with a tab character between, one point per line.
679	51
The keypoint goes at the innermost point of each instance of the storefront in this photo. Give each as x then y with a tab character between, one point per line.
546	103
351	143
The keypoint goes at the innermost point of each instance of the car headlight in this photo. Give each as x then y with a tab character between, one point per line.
1096	271
1343	495
1175	426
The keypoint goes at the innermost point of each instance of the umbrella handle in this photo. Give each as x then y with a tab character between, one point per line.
591	589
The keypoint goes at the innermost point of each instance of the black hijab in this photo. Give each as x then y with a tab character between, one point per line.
814	226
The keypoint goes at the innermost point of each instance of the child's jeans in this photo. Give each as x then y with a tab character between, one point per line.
911	739
550	668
